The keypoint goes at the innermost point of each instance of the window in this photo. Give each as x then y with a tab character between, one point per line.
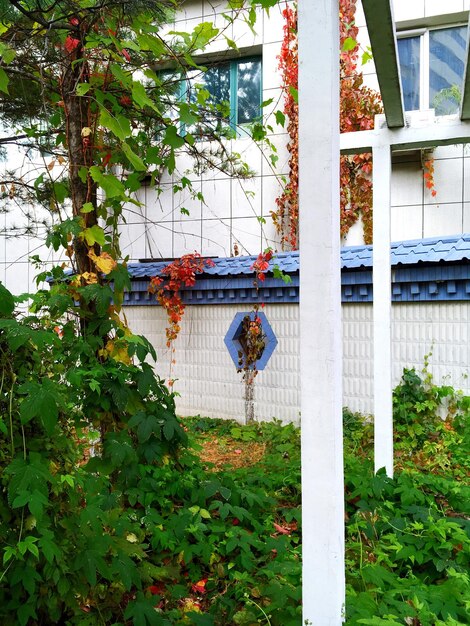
432	64
229	91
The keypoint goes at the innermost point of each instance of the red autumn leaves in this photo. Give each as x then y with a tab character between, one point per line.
167	287
261	265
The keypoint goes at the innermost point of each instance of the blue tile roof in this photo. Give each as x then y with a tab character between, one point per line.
431	250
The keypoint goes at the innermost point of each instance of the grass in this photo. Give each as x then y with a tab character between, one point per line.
407	538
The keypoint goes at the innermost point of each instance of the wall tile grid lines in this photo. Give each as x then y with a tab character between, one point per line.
274	23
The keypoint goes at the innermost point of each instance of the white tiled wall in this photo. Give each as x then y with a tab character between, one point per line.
208	383
229	215
22	233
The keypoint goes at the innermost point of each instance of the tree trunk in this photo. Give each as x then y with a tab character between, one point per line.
249	397
80	150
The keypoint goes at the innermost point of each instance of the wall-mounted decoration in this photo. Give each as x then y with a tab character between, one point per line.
250	340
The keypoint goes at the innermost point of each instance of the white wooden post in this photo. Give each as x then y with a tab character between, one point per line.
320	316
383	418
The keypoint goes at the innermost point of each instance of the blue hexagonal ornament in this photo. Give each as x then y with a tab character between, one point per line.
234	346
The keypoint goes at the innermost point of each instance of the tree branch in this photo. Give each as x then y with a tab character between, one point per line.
16	138
36	16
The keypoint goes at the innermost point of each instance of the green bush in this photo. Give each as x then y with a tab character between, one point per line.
145	533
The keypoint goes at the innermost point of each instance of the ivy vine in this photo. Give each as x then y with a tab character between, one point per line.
358	106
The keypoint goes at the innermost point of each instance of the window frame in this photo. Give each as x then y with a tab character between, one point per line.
424	59
232	122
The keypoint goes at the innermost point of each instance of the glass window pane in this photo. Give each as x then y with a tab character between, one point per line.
249	91
216	81
447	48
409	56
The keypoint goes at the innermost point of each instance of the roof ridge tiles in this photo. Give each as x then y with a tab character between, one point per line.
408	252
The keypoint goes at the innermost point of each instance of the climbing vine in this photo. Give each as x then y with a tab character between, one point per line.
358	106
428	175
167	288
252	337
286	215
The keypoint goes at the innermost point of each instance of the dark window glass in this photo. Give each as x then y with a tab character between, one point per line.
249	90
214	107
217	82
409	56
447	49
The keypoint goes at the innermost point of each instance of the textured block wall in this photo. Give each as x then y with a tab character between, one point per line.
206	376
208	383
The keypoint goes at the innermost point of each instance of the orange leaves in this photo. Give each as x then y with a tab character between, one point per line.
280	529
286	215
261	265
428	175
86	278
286	528
180	272
200	586
358	107
117	350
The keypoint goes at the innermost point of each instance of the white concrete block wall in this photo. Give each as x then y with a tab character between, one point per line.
209	385
205	374
415	212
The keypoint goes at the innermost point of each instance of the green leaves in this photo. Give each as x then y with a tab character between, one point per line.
349	44
280	118
82	89
172	138
142	612
141	98
135	160
7	302
111	185
94	234
197	40
4	80
28	475
101	295
42	401
117	124
122	76
91	561
152	43
188	113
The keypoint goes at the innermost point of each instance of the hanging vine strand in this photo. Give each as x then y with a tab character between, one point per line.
358	106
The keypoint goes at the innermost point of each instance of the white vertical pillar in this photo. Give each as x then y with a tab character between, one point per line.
383	418
320	315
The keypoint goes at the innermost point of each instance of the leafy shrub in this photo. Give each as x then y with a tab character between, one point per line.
70	546
143	532
408	538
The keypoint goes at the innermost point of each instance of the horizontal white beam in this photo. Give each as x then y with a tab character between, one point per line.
440	131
